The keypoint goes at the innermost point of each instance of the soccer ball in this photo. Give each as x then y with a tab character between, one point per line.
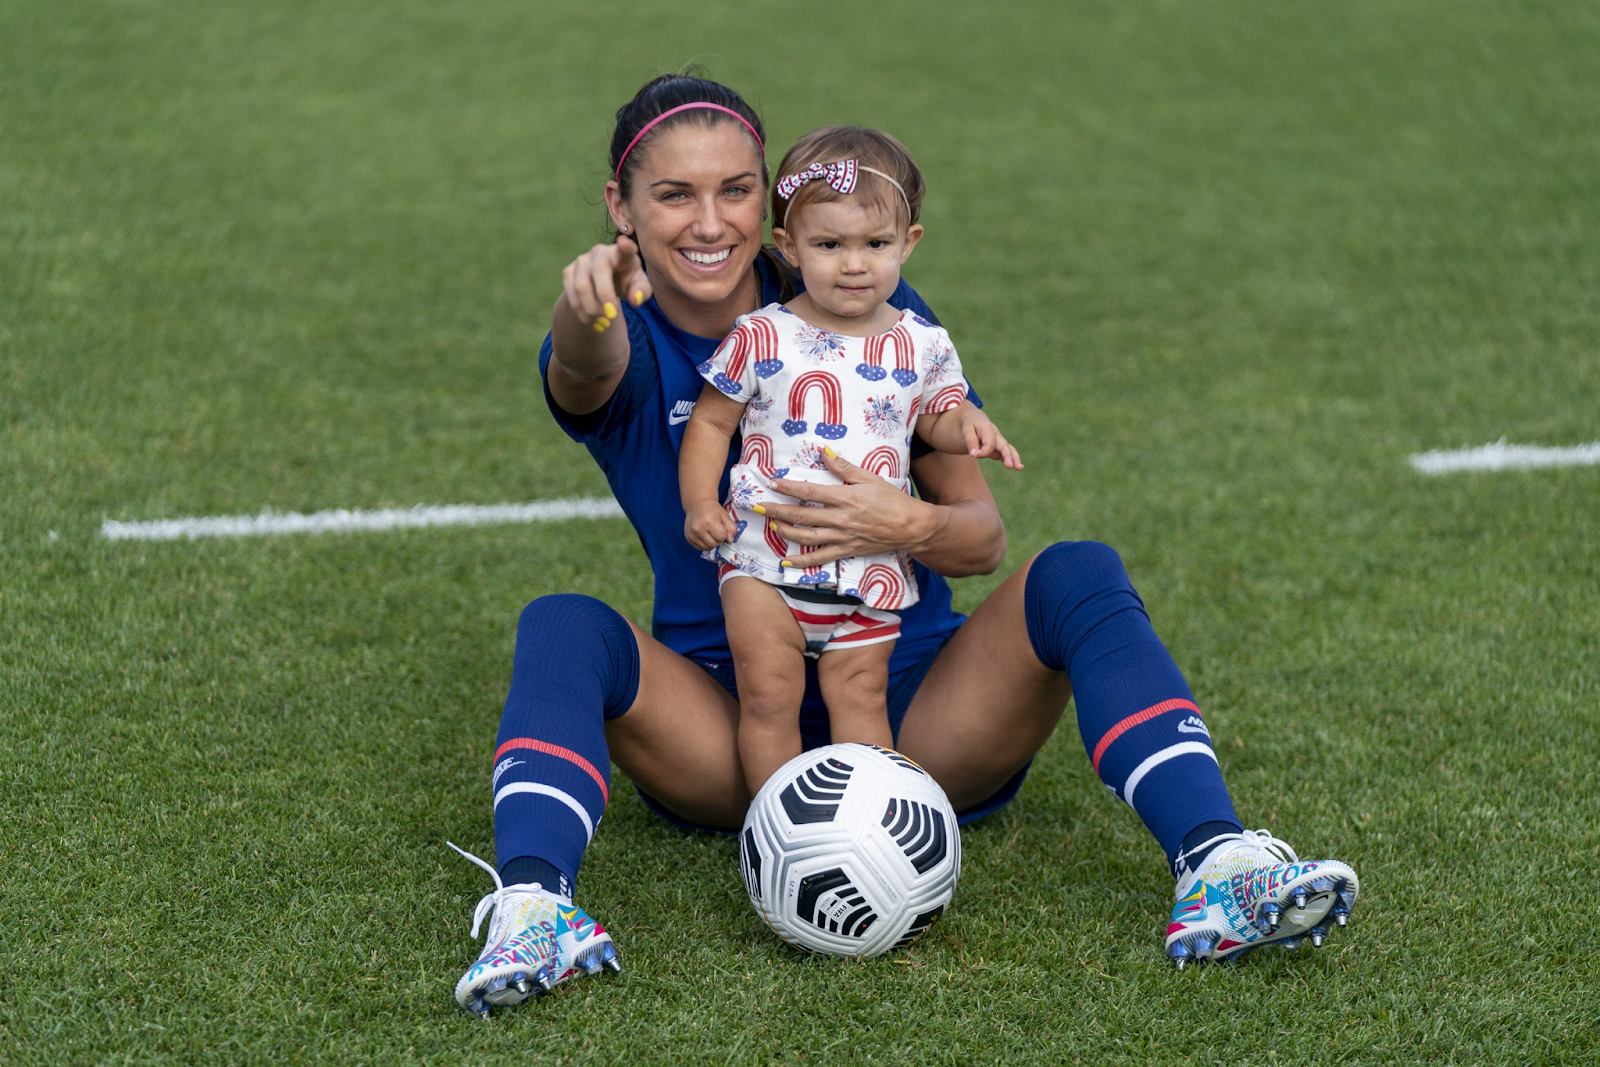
850	850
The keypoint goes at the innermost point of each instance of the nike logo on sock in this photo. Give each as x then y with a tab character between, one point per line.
1193	725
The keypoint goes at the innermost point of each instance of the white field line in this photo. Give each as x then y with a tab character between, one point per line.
1503	457
341	521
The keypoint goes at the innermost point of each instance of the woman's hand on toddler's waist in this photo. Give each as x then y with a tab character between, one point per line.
863	516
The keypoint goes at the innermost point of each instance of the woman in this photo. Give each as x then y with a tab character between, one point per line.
971	700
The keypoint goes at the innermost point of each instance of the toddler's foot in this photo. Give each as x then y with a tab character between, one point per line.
1251	890
536	941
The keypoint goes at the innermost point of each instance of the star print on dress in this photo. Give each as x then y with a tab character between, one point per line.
942	364
816	343
810	457
882	415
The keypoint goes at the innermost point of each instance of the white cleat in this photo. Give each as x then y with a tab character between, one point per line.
532	933
1253	890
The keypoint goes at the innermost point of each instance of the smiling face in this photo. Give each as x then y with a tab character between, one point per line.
849	251
695	205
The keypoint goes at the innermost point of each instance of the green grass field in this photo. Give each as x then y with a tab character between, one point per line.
1217	268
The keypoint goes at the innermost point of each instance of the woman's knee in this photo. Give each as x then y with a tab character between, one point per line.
1082	563
1071	586
571	632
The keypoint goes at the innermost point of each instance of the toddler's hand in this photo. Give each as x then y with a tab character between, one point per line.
706	524
985	442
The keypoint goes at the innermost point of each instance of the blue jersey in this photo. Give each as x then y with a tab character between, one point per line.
635	436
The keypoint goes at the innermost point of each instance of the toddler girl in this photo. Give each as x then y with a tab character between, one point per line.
837	371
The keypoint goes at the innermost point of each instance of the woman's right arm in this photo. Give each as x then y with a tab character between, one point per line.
589	357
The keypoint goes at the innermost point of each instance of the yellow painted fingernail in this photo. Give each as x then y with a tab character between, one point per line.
638	297
830	453
758	509
785	563
611	310
599	325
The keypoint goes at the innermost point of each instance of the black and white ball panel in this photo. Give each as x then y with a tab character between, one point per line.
850	850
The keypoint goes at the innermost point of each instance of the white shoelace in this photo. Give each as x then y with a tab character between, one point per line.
1275	847
1228	844
490	904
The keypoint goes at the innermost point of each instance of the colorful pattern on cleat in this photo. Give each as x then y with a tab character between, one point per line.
1253	890
533	935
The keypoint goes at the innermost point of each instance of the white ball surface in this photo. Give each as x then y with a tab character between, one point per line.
850	850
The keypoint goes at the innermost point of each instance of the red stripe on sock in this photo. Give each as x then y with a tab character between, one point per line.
1134	720
555	750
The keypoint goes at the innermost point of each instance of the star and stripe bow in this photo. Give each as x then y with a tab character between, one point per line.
840	177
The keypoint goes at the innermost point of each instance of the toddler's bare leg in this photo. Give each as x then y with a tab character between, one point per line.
769	657
855	683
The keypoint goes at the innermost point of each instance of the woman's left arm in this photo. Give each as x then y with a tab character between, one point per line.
955	530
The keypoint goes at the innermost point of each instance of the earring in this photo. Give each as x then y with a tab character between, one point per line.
622	229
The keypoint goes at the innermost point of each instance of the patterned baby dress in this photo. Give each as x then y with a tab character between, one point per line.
804	389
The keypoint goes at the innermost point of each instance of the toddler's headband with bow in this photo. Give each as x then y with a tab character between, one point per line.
839	176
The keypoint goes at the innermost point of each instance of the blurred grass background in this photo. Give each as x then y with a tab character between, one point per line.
1217	270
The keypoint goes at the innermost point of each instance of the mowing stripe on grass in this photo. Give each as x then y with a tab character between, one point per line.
1503	457
342	521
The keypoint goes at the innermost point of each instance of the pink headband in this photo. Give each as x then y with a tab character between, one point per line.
686	107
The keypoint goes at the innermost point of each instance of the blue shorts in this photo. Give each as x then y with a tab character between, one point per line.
814	732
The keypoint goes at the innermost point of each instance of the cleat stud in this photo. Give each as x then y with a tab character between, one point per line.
496	985
1316	939
1290	943
1202	948
614	965
480	1008
521	985
591	966
1181	962
545	983
1300	898
1342	919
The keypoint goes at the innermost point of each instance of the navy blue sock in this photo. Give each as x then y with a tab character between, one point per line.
1138	719
577	665
522	870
